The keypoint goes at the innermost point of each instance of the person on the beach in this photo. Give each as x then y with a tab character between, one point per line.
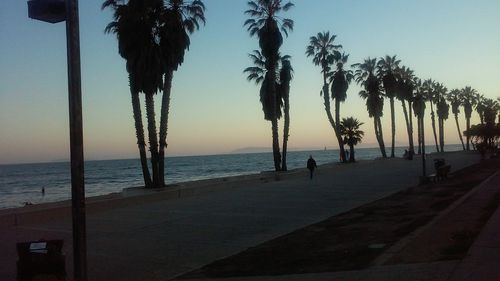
311	165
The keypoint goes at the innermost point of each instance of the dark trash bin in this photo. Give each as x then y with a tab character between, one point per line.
40	257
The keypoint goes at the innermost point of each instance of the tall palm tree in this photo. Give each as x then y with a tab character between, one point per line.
324	53
404	93
430	96
286	75
178	19
340	80
416	107
443	111
468	96
419	109
365	76
132	23
351	133
265	23
387	67
456	101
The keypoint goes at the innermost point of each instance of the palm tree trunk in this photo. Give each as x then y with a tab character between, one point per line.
441	134
410	130
459	133
381	137
274	119
326	97
286	127
393	127
351	154
153	138
468	128
419	136
139	132
405	112
433	119
165	108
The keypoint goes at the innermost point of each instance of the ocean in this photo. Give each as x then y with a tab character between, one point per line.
22	183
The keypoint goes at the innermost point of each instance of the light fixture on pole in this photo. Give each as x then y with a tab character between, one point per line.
54	11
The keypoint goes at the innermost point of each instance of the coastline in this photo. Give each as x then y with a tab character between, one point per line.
139	195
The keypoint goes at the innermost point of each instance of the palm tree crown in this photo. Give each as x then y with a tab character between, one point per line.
349	128
323	51
341	78
387	68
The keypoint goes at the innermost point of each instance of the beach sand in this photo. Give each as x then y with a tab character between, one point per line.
156	235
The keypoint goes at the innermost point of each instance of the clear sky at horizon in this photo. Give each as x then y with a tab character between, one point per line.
214	109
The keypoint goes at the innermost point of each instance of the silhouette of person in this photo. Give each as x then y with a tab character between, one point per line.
43	190
311	165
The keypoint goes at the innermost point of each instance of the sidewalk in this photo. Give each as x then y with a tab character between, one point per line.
482	262
144	239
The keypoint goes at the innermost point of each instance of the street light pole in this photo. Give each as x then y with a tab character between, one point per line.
76	141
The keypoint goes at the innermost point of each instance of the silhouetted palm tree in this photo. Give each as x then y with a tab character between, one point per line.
178	19
365	76
443	111
286	75
132	23
340	79
266	24
430	93
324	53
404	93
468	96
387	68
480	107
351	133
419	109
418	94
456	101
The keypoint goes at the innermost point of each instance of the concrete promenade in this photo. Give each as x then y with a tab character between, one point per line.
138	238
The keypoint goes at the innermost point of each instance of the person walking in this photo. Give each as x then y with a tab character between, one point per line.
311	165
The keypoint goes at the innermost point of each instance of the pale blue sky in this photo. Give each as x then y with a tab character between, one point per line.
214	108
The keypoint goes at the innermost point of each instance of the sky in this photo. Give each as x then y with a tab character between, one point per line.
214	109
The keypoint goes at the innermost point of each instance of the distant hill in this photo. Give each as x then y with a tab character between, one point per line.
269	149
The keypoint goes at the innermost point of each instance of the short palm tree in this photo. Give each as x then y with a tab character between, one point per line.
456	101
365	76
404	93
387	67
351	134
265	23
132	23
178	19
469	99
481	107
324	53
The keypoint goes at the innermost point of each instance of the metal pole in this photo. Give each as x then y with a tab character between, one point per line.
76	142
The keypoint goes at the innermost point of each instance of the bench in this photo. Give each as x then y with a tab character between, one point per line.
442	170
40	257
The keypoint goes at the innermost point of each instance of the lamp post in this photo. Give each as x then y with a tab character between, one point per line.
54	11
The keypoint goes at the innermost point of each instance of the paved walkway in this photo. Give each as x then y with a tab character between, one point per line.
162	239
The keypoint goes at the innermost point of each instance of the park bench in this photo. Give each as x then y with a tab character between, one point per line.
442	170
40	257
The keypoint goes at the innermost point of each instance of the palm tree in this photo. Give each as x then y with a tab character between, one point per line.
365	75
352	135
419	109
455	100
324	53
178	19
132	23
267	25
340	80
443	110
387	67
430	96
286	75
468	96
404	93
481	107
416	109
